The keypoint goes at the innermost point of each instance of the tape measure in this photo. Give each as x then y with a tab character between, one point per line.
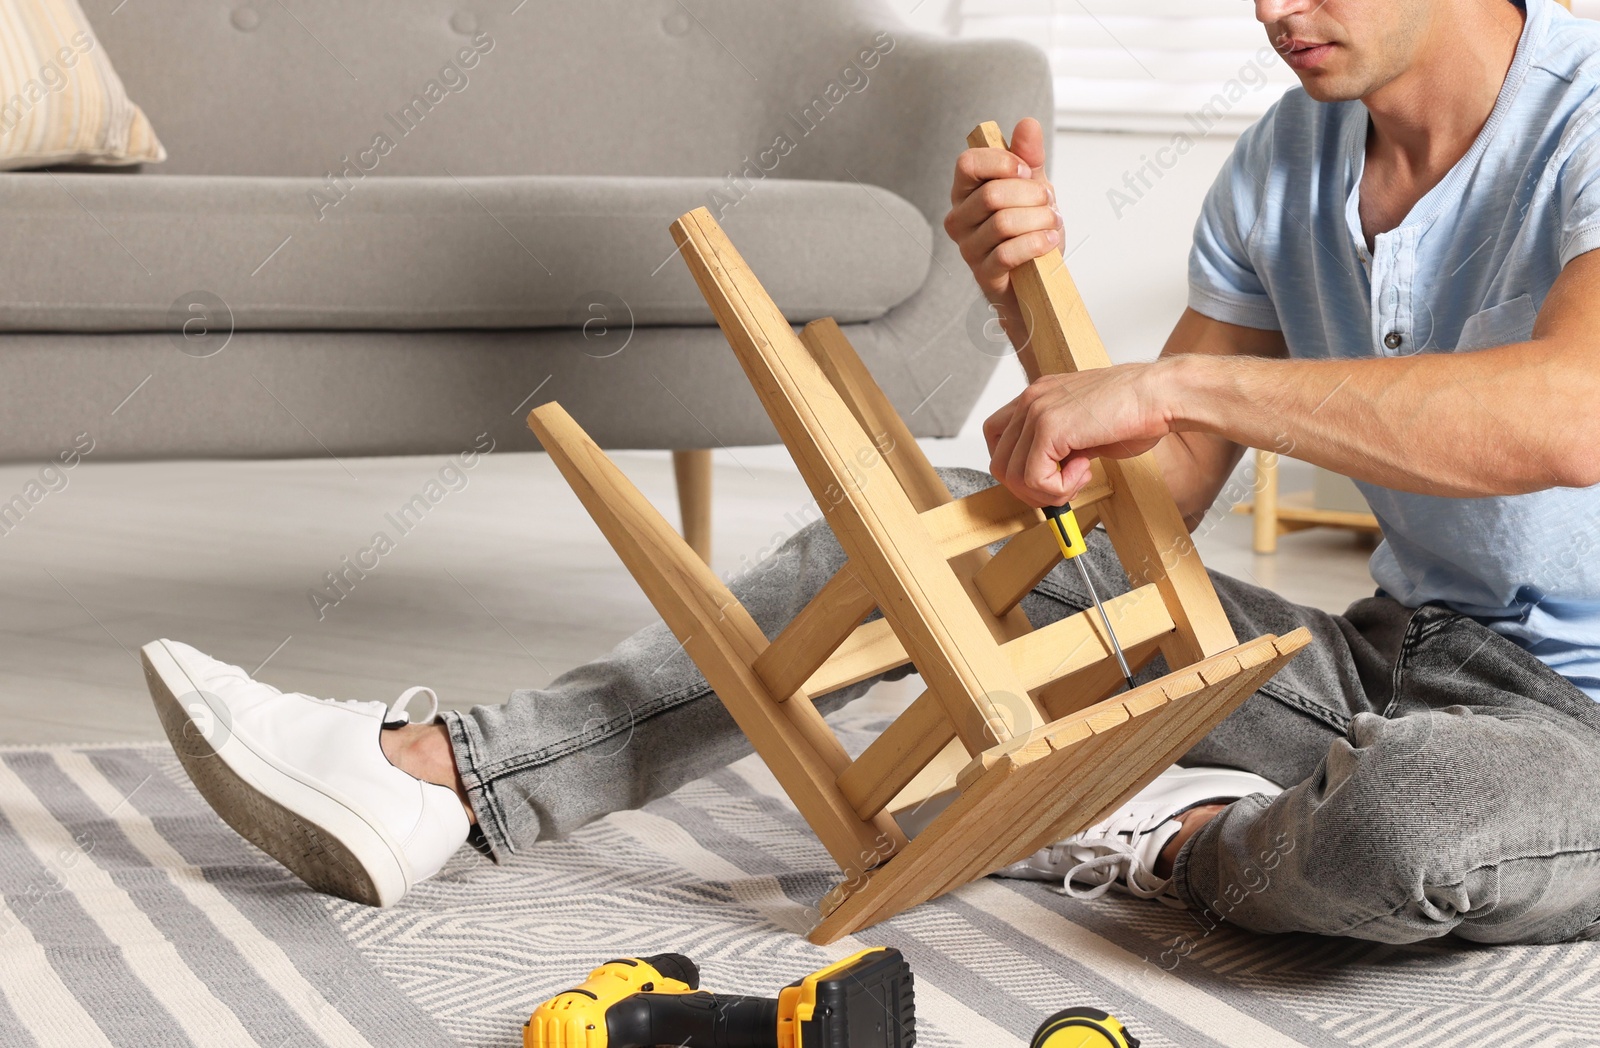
1082	1028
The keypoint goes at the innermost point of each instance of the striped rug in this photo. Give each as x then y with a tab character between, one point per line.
129	915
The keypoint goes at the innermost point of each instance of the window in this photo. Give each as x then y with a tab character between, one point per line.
1149	65
1194	66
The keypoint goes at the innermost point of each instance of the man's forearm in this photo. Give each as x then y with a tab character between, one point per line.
1499	421
1195	472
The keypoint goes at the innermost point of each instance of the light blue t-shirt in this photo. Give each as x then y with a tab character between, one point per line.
1279	246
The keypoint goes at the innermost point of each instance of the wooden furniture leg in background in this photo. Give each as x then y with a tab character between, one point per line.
692	468
1277	514
1266	511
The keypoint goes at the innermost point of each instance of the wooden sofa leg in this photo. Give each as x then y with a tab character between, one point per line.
693	471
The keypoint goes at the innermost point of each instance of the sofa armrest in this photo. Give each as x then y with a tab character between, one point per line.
903	131
905	127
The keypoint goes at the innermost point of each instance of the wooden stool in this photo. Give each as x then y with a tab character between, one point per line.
1018	718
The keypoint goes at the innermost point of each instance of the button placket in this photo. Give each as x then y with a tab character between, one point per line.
1382	294
1401	336
1390	319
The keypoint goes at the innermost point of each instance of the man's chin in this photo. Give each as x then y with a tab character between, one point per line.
1326	88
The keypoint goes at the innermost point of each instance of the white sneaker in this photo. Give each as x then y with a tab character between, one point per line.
304	779
1121	852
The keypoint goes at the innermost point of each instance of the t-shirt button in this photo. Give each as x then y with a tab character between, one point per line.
1394	340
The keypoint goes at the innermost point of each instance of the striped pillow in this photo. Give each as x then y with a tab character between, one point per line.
60	100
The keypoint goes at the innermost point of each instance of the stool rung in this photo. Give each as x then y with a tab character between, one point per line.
813	635
870	650
1078	641
895	757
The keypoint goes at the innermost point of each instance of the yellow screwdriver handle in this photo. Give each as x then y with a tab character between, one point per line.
1065	525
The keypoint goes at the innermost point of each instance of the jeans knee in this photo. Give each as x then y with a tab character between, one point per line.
1440	821
1420	765
1410	799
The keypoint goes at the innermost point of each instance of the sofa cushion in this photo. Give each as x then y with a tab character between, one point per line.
148	252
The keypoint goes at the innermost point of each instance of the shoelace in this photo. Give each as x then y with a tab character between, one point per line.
1120	860
1110	849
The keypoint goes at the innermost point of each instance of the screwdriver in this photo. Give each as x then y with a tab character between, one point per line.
1070	538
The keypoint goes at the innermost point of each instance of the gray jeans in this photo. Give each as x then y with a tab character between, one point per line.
1438	777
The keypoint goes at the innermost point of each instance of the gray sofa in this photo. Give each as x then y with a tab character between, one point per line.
386	229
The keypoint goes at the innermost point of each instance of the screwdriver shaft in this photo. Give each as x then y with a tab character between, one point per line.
1116	646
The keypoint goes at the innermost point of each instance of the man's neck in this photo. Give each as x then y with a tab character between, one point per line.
1425	120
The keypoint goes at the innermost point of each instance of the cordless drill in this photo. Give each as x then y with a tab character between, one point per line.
864	1001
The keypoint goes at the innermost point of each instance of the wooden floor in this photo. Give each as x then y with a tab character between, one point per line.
502	583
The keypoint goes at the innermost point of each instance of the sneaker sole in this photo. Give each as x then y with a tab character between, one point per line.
319	838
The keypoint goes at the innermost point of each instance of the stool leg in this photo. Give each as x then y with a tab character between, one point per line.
723	640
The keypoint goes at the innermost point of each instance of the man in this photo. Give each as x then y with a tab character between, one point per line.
1394	275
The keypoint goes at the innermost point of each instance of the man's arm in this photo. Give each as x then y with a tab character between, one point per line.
1196	463
1502	421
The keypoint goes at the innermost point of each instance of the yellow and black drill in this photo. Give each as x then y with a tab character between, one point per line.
864	1001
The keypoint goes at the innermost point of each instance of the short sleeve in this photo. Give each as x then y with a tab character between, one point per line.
1579	193
1223	282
